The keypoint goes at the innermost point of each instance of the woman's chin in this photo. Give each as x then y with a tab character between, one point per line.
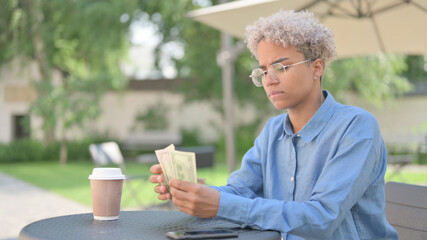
280	105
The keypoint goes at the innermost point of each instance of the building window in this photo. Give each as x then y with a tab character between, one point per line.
21	125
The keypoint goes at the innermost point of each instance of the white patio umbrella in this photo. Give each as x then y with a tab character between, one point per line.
360	26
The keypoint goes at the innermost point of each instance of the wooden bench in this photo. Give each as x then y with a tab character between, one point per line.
406	209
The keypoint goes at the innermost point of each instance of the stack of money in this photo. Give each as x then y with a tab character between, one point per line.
177	164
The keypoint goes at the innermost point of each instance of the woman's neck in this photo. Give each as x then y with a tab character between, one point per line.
302	113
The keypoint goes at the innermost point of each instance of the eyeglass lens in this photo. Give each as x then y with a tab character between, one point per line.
276	71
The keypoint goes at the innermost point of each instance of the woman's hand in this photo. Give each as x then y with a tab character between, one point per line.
194	199
158	178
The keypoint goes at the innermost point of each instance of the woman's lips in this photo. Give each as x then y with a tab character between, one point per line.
275	93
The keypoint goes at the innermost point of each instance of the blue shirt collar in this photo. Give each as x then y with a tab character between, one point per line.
316	123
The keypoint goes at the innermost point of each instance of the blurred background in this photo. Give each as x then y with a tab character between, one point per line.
78	72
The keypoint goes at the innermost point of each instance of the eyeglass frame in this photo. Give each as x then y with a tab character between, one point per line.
266	71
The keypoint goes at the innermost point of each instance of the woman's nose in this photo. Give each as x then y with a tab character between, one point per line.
268	79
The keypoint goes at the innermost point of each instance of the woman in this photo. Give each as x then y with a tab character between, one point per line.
315	172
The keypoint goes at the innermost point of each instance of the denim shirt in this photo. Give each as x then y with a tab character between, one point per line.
324	182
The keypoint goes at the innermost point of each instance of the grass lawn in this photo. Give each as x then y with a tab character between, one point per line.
411	177
71	181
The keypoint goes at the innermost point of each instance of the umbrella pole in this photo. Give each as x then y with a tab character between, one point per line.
226	59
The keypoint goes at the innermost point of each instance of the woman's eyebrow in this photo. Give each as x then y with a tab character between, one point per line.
275	61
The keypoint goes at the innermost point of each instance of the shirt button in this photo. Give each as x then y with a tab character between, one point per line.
292	179
298	135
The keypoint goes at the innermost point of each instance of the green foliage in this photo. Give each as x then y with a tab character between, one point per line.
82	40
416	71
198	66
190	137
13	28
25	150
30	150
422	158
245	135
201	44
154	118
77	45
2	152
77	34
51	151
77	150
376	78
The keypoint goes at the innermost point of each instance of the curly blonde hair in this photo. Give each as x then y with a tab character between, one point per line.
301	30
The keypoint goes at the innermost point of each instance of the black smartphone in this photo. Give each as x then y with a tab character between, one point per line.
205	234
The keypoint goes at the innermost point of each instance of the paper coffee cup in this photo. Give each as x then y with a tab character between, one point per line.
106	185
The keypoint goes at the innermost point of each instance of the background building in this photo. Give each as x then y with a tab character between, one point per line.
400	121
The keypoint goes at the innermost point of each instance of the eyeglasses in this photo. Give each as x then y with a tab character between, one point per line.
277	72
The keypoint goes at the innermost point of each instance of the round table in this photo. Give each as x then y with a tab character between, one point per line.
150	225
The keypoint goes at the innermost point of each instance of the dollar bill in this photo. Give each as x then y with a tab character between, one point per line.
165	160
177	164
184	165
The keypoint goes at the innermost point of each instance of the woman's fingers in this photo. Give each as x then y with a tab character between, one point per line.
156	178
160	189
156	169
164	196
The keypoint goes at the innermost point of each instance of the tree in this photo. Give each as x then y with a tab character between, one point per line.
417	68
201	44
82	40
376	78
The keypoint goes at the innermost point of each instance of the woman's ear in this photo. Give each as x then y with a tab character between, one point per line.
318	68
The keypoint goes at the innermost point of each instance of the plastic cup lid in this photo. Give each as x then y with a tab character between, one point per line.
106	174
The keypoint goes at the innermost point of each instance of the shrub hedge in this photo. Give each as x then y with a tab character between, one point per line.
31	150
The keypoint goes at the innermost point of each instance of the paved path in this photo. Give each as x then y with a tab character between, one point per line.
22	203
